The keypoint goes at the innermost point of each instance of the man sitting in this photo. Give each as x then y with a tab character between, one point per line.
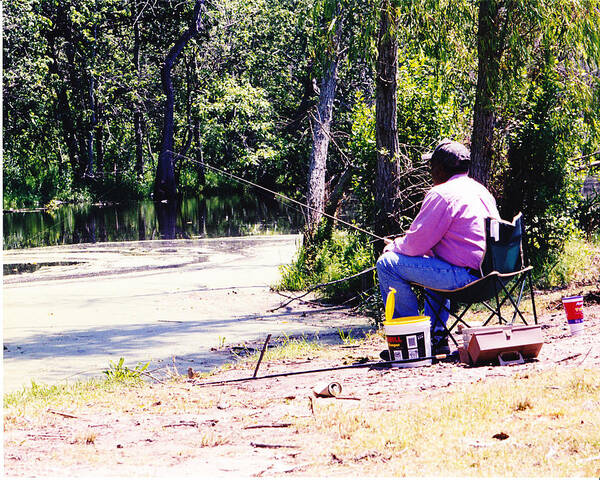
445	244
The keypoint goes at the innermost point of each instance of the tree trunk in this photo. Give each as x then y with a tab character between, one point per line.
334	201
489	52
137	115
307	102
93	103
165	187
321	134
386	128
63	107
99	140
81	127
201	169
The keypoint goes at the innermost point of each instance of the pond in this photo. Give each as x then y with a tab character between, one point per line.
215	216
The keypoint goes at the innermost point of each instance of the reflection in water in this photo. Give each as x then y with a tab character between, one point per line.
167	220
14	268
233	215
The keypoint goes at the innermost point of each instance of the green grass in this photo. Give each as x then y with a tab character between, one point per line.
579	263
537	424
341	256
37	397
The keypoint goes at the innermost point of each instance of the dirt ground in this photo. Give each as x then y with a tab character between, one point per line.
185	428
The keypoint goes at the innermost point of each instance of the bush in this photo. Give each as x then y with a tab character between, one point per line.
537	181
326	260
578	264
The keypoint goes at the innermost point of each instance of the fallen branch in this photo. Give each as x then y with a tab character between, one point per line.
62	414
586	355
571	357
271	425
153	378
321	285
307	302
183	423
271	445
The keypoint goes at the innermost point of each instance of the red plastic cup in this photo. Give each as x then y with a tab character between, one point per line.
573	307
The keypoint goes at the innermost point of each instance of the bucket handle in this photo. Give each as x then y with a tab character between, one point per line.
390	304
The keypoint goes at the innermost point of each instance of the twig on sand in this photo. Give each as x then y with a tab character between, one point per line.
175	366
570	357
62	414
262	352
153	378
586	355
271	445
183	423
47	435
268	425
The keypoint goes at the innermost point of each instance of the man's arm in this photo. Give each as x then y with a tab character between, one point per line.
427	229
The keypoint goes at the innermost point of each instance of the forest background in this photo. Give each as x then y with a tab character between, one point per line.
331	102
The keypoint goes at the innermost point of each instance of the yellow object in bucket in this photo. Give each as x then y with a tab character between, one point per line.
408	338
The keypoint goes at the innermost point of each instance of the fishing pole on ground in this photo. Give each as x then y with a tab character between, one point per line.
328	369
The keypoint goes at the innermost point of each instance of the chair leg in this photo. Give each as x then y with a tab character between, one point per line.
522	281
446	330
495	311
515	305
532	298
507	296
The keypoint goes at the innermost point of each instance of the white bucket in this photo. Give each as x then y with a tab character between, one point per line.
408	338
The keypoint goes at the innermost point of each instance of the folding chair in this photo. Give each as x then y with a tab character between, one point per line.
502	262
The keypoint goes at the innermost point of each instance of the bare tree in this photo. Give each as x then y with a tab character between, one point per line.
321	131
165	187
386	129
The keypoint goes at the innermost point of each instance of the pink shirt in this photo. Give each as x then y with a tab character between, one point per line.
450	224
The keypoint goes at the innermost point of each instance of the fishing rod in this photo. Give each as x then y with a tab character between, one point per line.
390	363
243	180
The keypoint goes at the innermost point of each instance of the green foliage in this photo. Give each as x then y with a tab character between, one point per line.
538	181
237	125
427	112
121	373
72	90
578	263
323	261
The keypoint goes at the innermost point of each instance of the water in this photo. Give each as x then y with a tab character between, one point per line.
216	216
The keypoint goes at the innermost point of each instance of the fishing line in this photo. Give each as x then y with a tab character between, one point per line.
243	180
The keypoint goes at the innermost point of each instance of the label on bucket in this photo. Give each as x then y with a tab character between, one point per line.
407	347
575	320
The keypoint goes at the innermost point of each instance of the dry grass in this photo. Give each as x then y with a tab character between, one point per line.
542	424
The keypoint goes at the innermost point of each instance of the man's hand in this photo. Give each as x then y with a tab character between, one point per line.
389	244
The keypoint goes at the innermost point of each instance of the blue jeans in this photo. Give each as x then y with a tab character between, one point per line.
396	270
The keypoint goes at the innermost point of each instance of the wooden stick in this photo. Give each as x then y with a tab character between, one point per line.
586	355
261	355
67	415
271	425
271	445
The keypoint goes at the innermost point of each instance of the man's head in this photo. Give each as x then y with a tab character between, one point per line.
448	159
